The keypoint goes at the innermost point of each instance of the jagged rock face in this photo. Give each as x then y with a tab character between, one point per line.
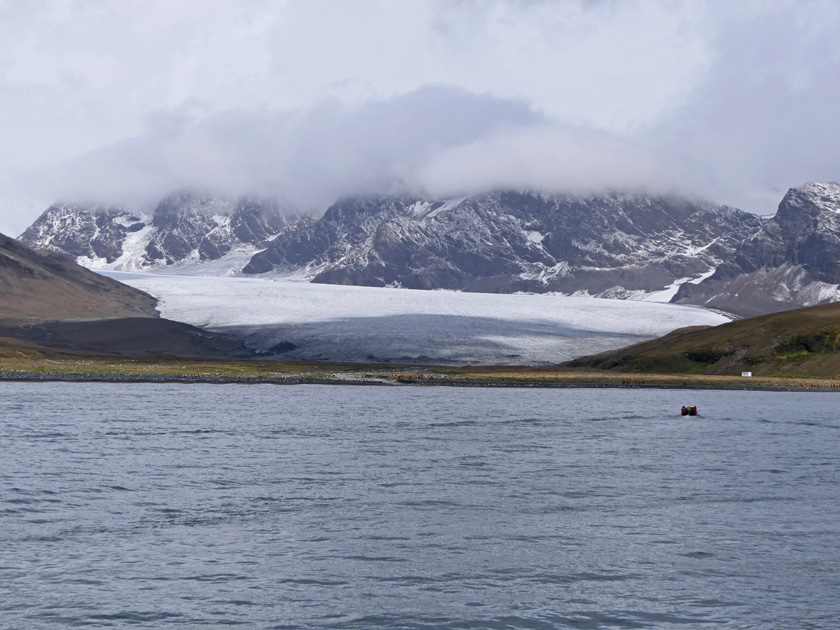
792	261
83	232
610	245
184	226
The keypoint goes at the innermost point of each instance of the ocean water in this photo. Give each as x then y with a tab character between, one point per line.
207	506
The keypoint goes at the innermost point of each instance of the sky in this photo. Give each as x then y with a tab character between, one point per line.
123	102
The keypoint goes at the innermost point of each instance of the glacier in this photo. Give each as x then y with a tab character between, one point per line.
287	319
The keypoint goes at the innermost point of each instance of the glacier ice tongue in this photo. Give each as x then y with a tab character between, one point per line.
349	323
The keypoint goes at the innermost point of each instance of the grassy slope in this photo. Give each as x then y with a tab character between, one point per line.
803	342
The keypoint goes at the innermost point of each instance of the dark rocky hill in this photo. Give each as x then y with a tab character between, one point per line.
126	336
49	300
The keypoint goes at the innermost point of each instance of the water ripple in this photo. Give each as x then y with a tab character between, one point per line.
313	507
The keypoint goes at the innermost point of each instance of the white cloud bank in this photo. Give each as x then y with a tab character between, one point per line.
435	141
543	156
312	99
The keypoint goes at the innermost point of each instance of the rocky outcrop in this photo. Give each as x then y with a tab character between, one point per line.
792	261
184	226
94	233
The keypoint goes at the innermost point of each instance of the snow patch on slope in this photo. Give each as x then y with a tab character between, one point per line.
133	249
428	209
667	294
535	237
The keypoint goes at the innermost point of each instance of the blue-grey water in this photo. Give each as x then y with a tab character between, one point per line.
195	506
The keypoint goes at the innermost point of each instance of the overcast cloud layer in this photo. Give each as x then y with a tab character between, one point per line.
311	99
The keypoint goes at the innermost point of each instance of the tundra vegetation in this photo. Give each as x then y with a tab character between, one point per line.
20	360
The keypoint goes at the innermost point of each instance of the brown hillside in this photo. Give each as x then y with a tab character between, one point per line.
40	285
800	342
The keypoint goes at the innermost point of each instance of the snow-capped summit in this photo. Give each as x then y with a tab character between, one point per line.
94	234
813	197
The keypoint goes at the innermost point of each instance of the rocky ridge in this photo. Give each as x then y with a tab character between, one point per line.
793	260
186	226
609	245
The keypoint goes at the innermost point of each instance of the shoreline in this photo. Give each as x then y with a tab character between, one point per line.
569	383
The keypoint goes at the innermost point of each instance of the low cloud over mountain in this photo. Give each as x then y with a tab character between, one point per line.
436	141
316	100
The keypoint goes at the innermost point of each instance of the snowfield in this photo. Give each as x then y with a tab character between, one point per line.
298	320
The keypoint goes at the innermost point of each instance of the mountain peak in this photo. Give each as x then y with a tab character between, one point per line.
791	261
812	198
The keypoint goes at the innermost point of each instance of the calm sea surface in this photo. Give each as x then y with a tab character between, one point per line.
195	506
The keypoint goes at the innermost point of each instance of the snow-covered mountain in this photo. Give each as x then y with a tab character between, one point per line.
617	245
792	261
186	226
607	245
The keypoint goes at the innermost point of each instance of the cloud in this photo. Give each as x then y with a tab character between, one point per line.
312	99
545	156
437	140
765	116
308	156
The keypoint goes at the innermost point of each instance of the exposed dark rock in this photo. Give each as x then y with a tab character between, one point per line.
610	244
792	261
281	348
82	232
184	226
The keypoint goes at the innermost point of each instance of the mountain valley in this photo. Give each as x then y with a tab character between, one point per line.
613	245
